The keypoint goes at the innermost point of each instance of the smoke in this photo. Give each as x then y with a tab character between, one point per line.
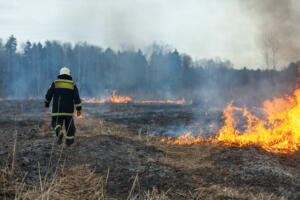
279	31
117	24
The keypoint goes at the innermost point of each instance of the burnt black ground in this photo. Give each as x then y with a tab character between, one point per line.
102	146
124	157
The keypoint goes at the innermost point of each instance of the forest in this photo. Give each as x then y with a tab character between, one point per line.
29	70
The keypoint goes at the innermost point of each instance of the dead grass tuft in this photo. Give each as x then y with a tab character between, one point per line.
74	183
220	192
155	195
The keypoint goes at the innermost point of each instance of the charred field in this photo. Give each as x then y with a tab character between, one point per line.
118	155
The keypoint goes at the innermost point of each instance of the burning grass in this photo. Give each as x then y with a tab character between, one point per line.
278	131
115	98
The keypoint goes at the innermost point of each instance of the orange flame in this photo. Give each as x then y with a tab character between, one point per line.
277	132
79	117
114	99
186	139
182	101
119	99
125	99
93	100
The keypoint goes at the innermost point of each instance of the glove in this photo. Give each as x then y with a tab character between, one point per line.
46	105
78	113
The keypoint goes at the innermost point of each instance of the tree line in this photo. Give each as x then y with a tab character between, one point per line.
29	70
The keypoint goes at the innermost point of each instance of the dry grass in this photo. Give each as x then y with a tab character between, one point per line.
11	183
197	157
188	158
90	127
183	157
10	186
219	192
154	195
74	183
78	182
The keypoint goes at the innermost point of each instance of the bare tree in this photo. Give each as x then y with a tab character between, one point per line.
270	50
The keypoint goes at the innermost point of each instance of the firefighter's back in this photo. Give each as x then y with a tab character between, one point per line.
65	94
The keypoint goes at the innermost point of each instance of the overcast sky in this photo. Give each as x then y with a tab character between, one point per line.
200	28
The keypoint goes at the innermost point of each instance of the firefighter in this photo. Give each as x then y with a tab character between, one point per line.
65	94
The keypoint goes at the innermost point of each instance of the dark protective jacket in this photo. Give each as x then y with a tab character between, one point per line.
65	94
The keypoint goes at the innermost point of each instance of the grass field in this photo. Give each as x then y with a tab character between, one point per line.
112	159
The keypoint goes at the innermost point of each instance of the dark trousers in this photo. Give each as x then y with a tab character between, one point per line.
59	121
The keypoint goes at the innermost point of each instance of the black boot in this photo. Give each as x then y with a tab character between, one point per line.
57	133
69	142
60	138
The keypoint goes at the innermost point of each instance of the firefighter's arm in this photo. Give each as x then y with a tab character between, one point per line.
77	101
49	95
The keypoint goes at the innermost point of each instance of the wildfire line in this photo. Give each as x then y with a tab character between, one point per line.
277	132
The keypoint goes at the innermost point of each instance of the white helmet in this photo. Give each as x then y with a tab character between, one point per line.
64	70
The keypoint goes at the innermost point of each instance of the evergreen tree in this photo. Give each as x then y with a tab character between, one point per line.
11	45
